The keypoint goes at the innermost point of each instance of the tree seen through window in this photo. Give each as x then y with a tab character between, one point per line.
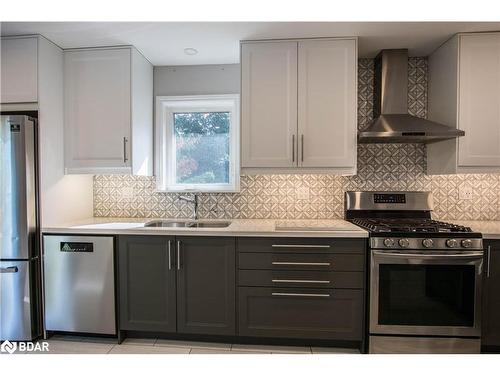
202	147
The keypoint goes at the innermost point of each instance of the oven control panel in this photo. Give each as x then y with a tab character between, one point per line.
426	243
389	198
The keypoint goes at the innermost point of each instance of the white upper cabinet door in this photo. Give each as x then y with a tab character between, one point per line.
18	78
479	100
327	89
142	115
269	104
97	110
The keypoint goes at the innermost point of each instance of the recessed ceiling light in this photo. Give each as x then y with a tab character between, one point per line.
190	51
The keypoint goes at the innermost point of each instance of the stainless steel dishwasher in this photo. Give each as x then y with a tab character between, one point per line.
79	284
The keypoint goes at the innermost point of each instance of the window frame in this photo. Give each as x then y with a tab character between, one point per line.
166	106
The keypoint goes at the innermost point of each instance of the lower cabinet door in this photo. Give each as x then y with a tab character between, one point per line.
335	314
490	325
147	283
206	285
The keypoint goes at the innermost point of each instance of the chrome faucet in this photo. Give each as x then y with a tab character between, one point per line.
194	201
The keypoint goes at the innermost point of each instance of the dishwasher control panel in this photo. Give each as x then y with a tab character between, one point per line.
77	247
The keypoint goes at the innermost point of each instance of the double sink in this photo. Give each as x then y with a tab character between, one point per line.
187	224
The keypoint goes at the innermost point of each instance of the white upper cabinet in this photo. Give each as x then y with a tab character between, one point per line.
108	100
97	111
269	104
479	114
18	66
464	92
298	105
327	120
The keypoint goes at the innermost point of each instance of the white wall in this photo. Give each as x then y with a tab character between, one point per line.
197	79
63	197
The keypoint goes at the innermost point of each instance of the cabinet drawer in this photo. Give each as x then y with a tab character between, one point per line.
313	262
301	245
301	279
301	313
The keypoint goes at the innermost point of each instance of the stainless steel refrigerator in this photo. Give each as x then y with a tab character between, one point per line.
20	290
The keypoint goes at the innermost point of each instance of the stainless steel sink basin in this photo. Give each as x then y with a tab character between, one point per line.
166	224
212	224
187	224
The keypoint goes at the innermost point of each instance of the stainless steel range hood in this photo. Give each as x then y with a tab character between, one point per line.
392	122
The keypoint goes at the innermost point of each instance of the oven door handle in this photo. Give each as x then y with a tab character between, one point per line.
472	255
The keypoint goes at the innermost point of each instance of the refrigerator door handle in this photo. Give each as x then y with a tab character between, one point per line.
12	269
17	316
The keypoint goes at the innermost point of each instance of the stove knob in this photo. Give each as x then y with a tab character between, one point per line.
427	242
404	242
452	243
466	243
389	242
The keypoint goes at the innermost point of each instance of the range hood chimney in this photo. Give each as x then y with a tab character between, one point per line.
392	122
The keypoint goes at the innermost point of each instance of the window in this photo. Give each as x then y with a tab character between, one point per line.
197	143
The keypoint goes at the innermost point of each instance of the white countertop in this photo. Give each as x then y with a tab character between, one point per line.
489	229
237	228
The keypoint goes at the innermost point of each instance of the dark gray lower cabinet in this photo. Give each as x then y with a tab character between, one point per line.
491	295
147	284
206	285
302	288
177	284
334	314
287	288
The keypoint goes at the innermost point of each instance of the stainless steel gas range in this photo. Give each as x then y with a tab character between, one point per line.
425	275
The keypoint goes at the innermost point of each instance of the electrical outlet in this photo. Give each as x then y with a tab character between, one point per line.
303	193
127	192
465	192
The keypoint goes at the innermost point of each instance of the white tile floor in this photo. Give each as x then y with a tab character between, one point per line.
60	344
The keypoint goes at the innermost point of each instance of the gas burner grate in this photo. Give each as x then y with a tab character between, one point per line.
405	225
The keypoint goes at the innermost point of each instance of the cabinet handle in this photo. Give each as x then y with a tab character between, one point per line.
12	269
301	281
302	147
178	254
489	261
125	159
301	263
293	148
307	246
169	255
301	294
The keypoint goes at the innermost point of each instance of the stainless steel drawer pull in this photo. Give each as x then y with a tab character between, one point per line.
169	255
302	147
293	148
125	159
301	281
300	295
489	261
301	263
306	246
12	269
178	255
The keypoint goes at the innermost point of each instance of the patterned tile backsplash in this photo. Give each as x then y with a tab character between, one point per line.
380	167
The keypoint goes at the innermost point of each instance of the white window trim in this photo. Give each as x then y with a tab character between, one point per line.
165	108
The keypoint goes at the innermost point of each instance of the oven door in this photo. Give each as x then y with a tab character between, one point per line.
426	292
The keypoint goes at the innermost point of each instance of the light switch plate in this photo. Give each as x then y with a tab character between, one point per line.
127	192
465	192
303	193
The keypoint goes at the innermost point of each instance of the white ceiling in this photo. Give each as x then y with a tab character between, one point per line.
163	43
